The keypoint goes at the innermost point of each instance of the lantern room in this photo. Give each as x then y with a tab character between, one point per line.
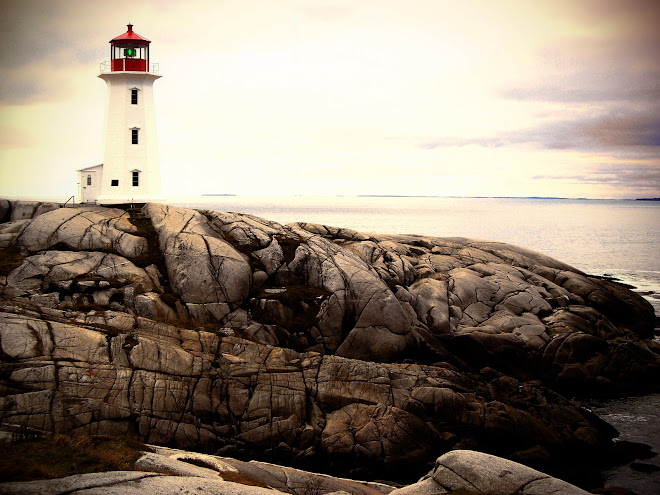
129	52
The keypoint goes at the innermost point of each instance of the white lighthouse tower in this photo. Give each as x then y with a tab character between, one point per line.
130	172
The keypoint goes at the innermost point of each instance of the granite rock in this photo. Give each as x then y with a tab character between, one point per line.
203	268
84	228
166	471
474	472
306	343
67	372
22	210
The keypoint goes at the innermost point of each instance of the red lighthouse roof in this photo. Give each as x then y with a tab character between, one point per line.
130	36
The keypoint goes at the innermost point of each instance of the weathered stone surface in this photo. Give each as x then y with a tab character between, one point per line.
334	330
72	484
168	471
614	302
77	280
130	483
184	464
83	228
275	477
358	316
22	210
374	433
52	267
149	305
431	304
475	472
202	267
196	389
381	297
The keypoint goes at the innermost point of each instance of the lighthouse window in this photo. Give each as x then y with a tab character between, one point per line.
134	136
114	183
134	93
89	180
136	179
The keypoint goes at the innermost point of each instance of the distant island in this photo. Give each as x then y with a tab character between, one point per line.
647	199
220	194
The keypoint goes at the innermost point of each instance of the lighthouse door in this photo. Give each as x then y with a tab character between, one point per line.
89	187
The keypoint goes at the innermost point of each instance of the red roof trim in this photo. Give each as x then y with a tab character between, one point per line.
130	36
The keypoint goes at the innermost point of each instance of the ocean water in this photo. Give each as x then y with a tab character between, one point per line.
615	238
636	418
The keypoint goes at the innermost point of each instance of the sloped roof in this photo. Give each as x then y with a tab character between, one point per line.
130	36
89	168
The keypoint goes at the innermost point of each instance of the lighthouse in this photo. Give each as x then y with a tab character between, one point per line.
130	172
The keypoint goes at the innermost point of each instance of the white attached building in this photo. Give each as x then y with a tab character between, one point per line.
89	183
130	172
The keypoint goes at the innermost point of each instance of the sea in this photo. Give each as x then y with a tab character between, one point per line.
619	239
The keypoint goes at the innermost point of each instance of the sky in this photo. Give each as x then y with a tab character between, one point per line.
346	97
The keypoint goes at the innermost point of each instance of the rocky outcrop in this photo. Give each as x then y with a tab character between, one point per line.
83	280
168	471
373	297
209	275
307	344
130	483
474	472
23	210
103	373
471	303
88	228
454	295
14	214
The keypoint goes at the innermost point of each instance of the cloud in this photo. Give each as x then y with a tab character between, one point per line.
594	88
646	89
18	90
587	70
352	95
623	130
632	176
56	30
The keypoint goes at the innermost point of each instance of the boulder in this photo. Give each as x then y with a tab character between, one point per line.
150	306
203	268
475	472
23	210
377	433
79	280
278	478
61	269
431	304
170	471
130	483
84	228
9	232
